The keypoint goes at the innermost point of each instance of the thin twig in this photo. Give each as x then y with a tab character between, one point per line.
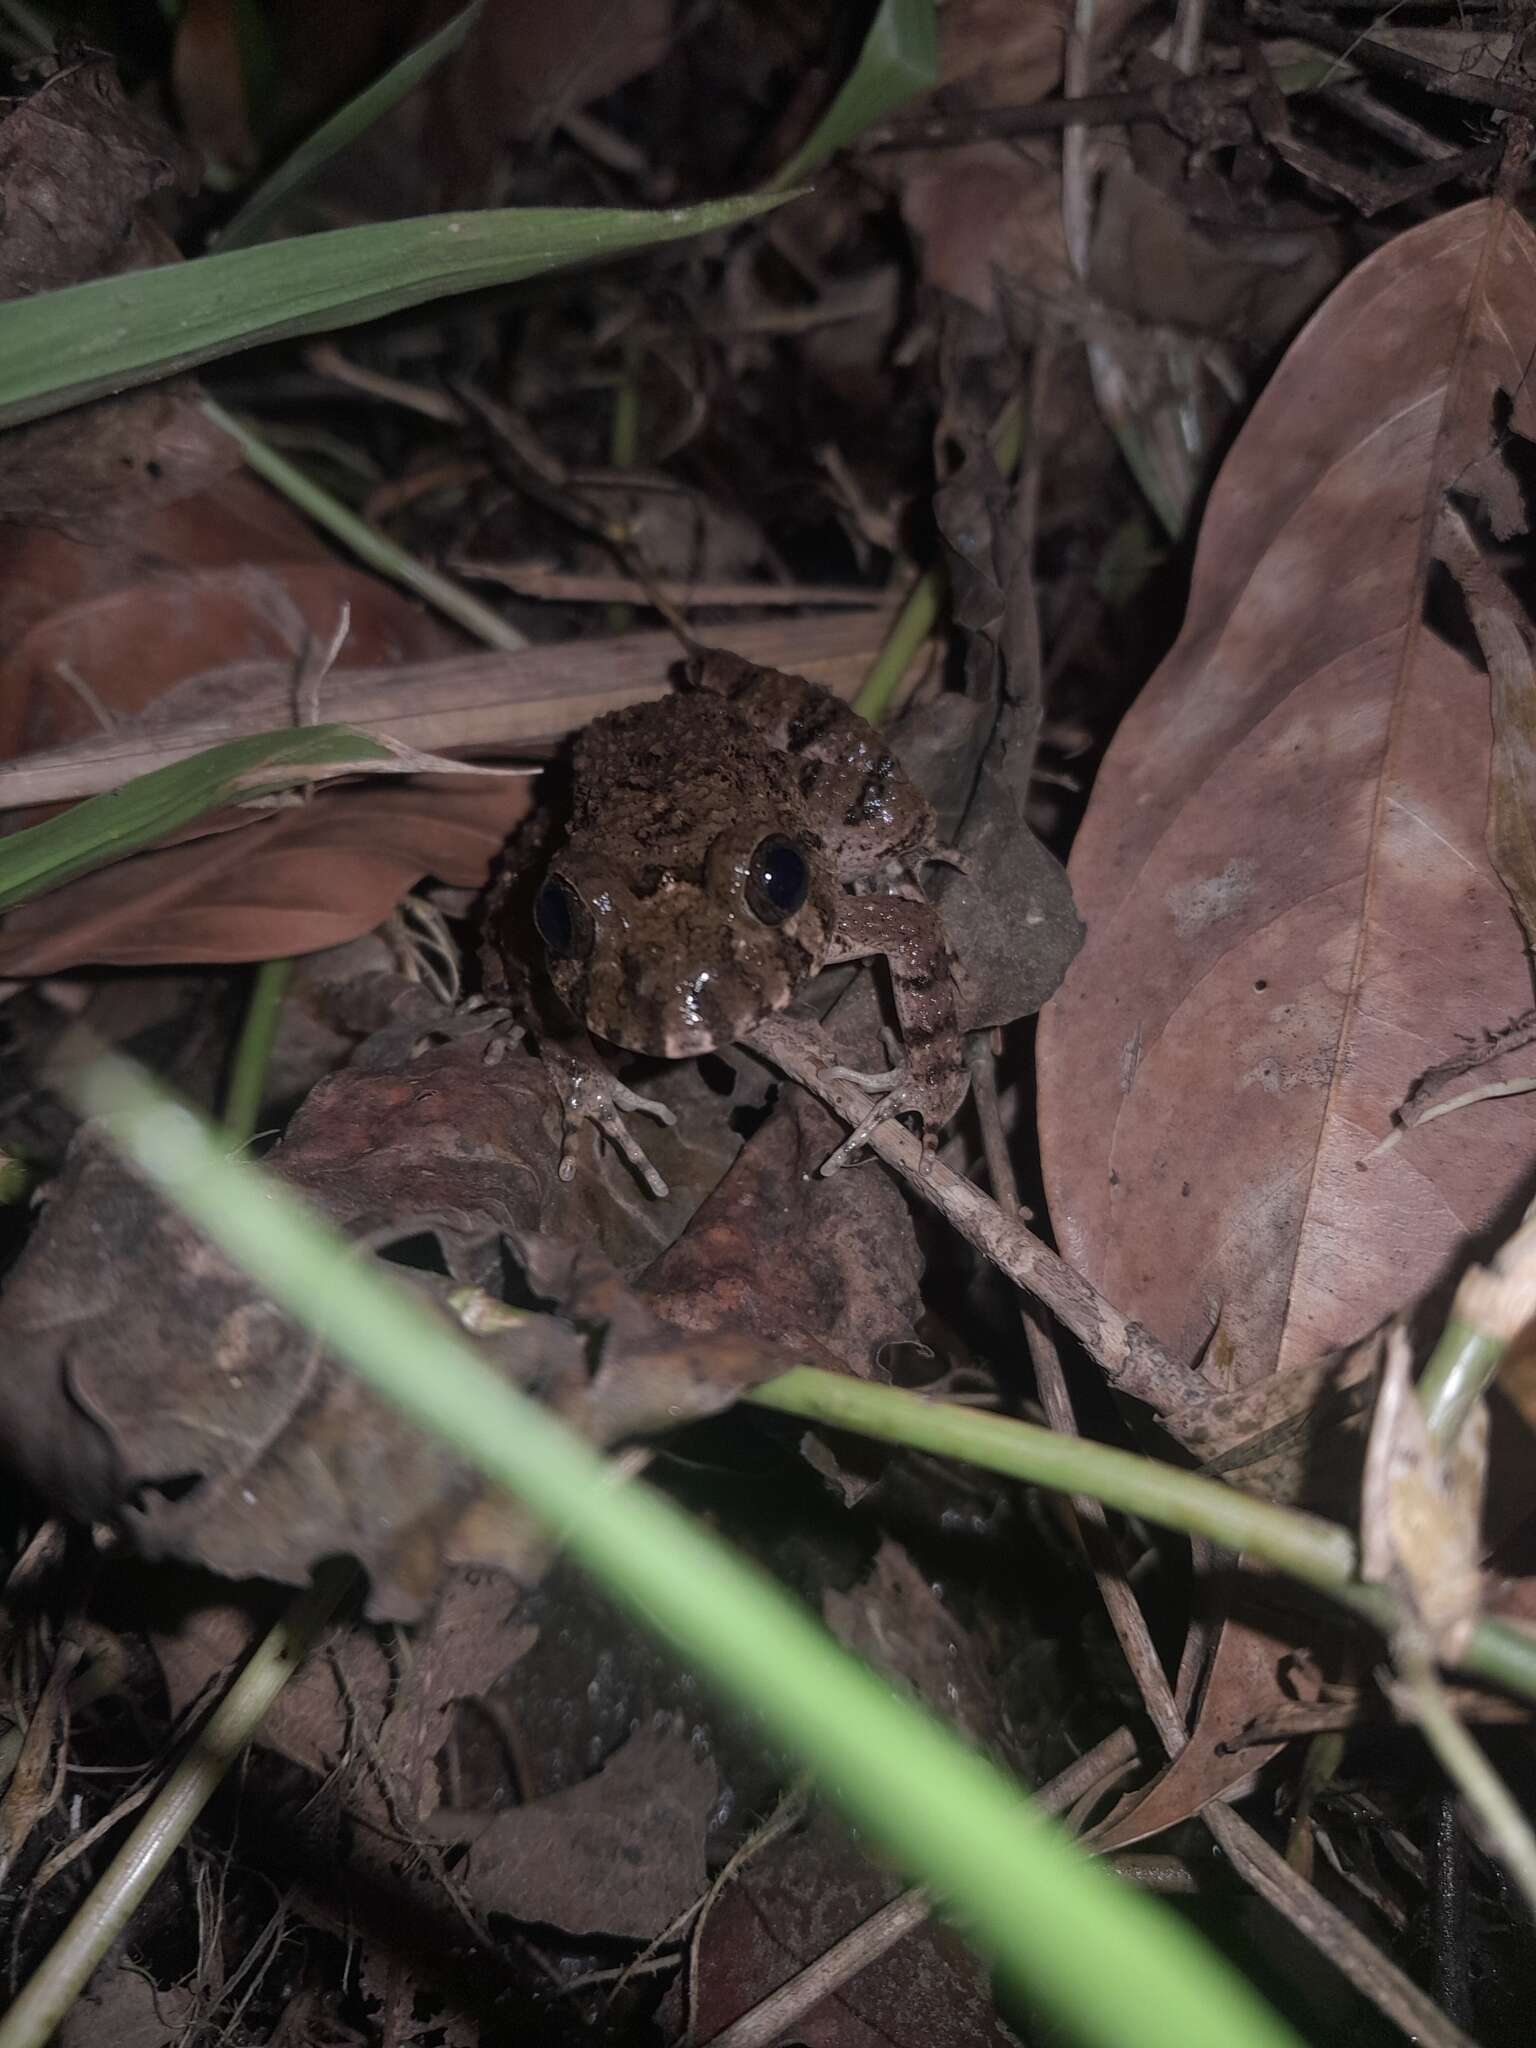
1331	1930
539	579
802	1054
101	1919
1180	103
774	2015
1392	63
1131	1359
1420	1697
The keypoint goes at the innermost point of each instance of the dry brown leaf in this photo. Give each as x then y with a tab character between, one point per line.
825	1269
201	636
1290	905
999	54
79	167
151	1385
127	2008
898	1620
1153	262
993	208
1504	638
1291	911
620	1854
985	211
291	880
523	69
788	1906
470	1638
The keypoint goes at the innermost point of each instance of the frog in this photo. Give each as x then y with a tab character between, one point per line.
726	843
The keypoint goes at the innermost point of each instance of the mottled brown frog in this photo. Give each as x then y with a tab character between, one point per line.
725	844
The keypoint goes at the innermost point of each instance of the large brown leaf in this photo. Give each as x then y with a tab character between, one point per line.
1291	909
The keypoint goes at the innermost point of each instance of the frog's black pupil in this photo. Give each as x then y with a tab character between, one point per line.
780	880
553	916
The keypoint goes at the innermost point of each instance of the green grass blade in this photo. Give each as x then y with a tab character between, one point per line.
1032	1901
900	59
344	126
147	809
61	348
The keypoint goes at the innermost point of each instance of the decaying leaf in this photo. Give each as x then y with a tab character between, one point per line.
1291	909
897	1620
825	1269
284	881
470	1636
125	2007
621	1854
787	1907
153	1387
1504	638
79	166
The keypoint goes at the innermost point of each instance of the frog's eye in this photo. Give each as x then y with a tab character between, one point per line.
778	880
564	921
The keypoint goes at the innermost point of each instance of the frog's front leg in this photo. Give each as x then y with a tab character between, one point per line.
933	1082
589	1094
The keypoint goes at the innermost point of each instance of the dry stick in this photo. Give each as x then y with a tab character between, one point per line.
1099	1539
1188	35
805	1056
1339	1939
1180	102
875	1937
1267	1871
107	1909
538	579
468	703
1373	56
1132	1360
1346	1946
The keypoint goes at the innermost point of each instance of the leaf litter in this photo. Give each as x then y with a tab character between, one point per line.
1303	867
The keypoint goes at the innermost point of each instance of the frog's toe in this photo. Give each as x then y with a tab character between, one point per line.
903	1100
933	1101
882	1083
595	1097
642	1105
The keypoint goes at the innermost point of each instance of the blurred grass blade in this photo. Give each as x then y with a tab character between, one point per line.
146	810
344	126
61	348
1118	1968
900	59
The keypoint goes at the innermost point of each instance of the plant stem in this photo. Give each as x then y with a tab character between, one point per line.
253	1054
115	1898
1317	1552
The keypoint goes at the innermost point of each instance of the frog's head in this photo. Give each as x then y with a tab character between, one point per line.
677	956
